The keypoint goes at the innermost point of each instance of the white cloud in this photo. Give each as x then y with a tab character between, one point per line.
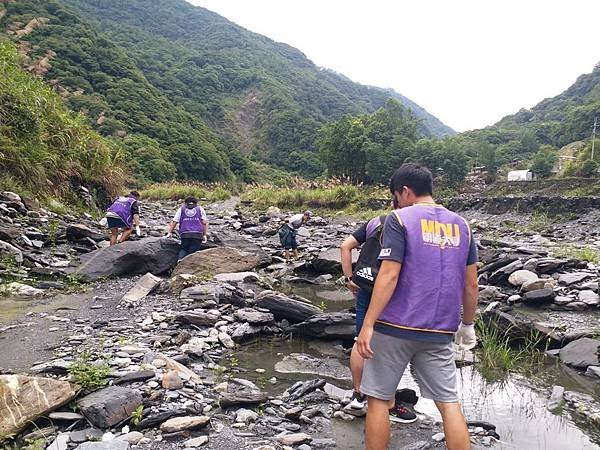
469	62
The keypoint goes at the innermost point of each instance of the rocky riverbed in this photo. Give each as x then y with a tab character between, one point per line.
221	352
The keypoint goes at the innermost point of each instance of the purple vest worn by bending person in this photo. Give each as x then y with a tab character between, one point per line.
190	220
428	296
122	208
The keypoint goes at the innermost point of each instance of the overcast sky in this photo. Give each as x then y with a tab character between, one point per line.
468	62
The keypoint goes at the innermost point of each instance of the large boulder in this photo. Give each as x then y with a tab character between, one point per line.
335	325
284	307
11	251
217	260
23	399
539	296
242	244
581	353
330	261
109	406
154	255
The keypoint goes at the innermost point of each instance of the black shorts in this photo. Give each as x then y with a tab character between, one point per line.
113	222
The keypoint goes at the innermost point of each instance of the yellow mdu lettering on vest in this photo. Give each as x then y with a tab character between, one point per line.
442	234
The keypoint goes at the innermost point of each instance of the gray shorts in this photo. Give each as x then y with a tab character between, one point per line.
432	363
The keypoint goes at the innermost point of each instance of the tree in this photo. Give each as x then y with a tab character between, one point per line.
544	161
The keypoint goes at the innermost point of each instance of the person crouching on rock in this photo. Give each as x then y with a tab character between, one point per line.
193	227
287	234
123	214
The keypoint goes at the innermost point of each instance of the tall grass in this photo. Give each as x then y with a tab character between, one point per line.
44	147
174	190
580	253
497	356
330	195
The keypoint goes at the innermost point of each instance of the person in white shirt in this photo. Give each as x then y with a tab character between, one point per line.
287	234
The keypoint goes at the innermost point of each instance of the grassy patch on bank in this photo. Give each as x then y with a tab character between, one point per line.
174	190
328	196
580	253
497	356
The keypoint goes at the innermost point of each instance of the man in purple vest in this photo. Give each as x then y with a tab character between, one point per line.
123	214
428	272
193	227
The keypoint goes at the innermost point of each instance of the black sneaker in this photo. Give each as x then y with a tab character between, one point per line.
407	396
401	414
358	400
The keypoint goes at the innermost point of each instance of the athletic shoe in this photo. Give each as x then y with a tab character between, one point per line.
407	396
358	400
401	414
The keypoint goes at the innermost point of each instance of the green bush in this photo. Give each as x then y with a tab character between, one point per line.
178	191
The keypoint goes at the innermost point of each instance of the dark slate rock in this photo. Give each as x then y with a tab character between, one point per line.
141	375
335	325
109	406
284	307
539	296
154	255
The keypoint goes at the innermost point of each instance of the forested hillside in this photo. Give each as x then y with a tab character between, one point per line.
186	92
535	135
45	149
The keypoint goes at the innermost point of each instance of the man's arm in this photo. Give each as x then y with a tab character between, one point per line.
205	223
349	244
386	281
172	226
470	295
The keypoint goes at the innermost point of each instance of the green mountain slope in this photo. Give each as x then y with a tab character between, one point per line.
265	98
45	149
95	76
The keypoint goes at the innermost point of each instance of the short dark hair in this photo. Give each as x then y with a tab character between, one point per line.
191	199
414	176
135	194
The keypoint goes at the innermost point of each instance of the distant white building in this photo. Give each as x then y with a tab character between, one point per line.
521	175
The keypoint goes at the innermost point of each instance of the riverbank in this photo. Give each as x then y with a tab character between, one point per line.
227	328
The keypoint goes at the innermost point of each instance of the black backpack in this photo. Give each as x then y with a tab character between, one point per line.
367	266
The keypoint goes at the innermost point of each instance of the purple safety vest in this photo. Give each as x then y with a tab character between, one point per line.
428	296
190	220
122	208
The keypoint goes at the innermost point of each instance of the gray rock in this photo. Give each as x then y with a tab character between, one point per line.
581	353
328	326
285	307
330	261
489	294
534	285
196	442
245	416
109	406
10	250
520	277
502	274
8	233
141	289
246	332
65	415
89	434
39	395
60	443
589	297
217	260
219	292
539	296
556	398
253	316
237	277
197	317
294	439
154	255
303	363
132	377
244	397
75	232
109	445
184	423
572	278
593	371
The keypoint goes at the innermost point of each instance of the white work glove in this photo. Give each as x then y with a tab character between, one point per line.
465	336
138	232
169	234
204	239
